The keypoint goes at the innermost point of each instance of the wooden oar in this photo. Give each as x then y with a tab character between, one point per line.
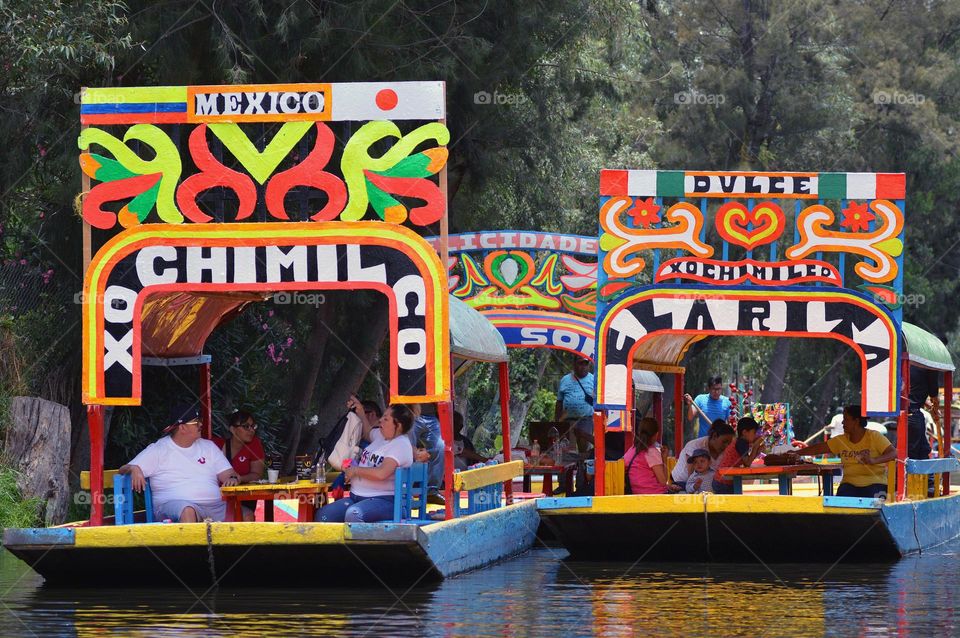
702	413
815	434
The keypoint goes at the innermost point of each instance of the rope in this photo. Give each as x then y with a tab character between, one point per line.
706	526
210	562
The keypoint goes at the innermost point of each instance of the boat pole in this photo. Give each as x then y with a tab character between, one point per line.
947	451
95	423
678	413
445	412
658	412
206	408
504	369
902	429
599	453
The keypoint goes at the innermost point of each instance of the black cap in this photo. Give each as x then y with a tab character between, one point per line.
182	413
697	454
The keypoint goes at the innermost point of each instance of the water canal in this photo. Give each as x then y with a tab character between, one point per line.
537	594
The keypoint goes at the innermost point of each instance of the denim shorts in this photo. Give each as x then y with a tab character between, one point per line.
215	511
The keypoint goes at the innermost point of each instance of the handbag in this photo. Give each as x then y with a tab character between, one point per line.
626	473
586	395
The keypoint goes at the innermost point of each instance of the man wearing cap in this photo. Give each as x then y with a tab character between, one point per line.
185	471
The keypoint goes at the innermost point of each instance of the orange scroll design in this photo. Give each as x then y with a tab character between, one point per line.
882	245
623	244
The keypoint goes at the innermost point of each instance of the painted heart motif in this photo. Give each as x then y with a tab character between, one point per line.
508	270
734	223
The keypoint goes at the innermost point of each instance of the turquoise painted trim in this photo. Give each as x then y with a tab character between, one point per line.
932	466
409	493
123	500
559	503
921	525
391	532
462	544
852	502
38	536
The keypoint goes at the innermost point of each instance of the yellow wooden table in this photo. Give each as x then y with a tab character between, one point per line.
308	494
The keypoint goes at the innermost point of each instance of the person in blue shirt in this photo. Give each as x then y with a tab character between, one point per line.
575	402
428	447
713	404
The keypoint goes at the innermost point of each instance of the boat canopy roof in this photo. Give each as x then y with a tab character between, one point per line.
646	381
178	324
925	349
472	336
665	352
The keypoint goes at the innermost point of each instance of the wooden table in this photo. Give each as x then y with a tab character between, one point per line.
308	495
784	474
547	471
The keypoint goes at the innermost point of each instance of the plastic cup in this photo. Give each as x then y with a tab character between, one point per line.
273	475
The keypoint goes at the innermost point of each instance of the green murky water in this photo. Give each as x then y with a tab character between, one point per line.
537	594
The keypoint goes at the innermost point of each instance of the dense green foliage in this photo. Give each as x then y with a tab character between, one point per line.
719	84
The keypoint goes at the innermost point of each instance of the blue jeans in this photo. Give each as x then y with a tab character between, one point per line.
426	432
357	509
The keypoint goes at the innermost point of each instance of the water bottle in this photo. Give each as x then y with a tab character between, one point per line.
321	469
535	453
553	436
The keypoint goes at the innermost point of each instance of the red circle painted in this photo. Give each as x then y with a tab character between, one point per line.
386	99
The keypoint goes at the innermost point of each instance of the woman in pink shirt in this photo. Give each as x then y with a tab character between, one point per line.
645	462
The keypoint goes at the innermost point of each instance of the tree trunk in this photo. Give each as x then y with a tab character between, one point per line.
777	371
38	447
302	393
348	377
822	410
519	409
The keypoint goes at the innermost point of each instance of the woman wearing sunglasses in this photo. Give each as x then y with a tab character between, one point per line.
245	452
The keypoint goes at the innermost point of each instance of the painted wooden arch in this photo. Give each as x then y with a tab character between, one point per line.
643	315
265	257
538	329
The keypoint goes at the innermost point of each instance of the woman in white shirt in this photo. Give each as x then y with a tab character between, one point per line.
371	478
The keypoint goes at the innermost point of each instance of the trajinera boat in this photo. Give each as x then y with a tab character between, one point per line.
687	254
169	258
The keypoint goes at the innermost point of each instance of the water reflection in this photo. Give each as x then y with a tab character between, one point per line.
537	594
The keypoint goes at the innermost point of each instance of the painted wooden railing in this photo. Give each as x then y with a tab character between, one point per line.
484	486
919	471
107	479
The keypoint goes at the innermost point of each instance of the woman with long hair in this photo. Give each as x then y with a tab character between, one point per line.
371	478
646	461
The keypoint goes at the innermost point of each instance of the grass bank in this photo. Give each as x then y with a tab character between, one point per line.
15	511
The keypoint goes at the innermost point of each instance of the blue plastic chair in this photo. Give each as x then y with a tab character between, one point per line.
410	493
123	500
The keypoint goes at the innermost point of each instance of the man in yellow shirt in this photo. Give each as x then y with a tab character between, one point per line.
864	454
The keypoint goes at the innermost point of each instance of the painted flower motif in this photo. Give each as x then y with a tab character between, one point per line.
857	217
644	213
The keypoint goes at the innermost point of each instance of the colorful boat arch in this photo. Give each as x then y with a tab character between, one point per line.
640	317
534	287
530	329
154	259
687	254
